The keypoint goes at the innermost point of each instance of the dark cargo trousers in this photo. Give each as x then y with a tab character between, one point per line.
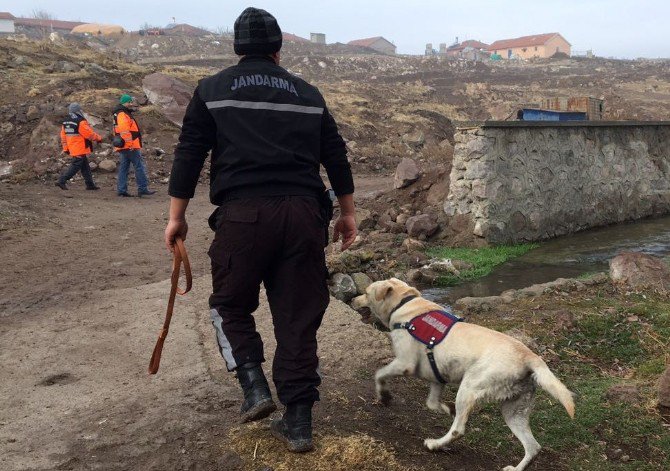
78	164
278	241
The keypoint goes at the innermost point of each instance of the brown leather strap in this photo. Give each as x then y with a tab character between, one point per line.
180	257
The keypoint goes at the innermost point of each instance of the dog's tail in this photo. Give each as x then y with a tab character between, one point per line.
550	383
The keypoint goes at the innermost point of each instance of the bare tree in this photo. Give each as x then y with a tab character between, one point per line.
42	15
222	31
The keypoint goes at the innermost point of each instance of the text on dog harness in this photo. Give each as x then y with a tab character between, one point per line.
430	328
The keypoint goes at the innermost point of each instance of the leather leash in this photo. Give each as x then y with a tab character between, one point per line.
180	257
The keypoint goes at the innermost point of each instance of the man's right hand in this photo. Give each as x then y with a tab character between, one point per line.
175	228
345	227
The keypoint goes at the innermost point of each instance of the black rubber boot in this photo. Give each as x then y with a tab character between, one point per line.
258	402
295	427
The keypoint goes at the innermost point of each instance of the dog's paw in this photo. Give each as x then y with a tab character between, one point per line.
384	397
509	468
432	444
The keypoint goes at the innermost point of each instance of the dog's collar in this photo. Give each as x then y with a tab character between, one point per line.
402	302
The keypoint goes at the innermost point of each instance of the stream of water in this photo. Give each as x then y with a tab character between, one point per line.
565	257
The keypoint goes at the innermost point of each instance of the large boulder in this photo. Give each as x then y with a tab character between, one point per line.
664	389
170	95
342	287
45	136
421	226
107	165
639	270
406	173
361	281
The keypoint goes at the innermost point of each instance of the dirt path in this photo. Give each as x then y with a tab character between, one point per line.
82	295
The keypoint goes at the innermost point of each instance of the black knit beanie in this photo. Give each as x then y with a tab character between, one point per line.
257	32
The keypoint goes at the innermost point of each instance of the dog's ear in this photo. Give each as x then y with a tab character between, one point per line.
383	292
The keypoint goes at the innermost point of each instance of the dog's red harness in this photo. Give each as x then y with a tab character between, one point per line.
429	328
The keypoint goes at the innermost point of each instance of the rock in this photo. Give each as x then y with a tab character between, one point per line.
158	151
45	138
342	287
170	95
361	281
664	389
33	113
446	145
482	304
411	245
413	259
624	393
402	219
6	169
107	165
348	262
406	173
95	69
421	226
6	127
523	337
443	266
639	270
422	275
18	61
415	139
364	219
65	66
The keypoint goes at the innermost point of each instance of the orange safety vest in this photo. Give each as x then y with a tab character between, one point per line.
76	136
126	127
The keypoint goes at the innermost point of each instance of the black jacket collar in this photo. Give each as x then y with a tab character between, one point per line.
256	58
120	108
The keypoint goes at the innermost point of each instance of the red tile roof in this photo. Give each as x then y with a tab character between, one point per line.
294	38
524	41
367	42
57	24
4	15
469	43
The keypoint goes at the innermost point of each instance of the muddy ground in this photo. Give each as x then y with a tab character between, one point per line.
82	299
83	285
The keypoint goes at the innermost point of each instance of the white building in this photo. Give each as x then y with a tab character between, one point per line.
6	22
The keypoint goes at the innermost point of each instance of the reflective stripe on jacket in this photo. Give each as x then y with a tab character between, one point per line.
76	136
126	127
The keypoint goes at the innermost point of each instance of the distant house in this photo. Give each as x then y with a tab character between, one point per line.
294	38
526	47
378	44
318	38
35	25
456	50
6	22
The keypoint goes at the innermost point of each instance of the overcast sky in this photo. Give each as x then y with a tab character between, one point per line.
611	28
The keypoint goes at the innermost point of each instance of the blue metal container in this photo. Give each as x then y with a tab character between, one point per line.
527	114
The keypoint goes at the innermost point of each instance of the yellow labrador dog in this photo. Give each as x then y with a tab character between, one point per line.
489	365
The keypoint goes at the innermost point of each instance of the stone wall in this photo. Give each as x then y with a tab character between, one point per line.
521	181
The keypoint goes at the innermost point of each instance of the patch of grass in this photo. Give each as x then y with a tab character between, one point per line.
606	338
483	260
599	428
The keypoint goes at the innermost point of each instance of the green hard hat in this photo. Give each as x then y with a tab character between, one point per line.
125	98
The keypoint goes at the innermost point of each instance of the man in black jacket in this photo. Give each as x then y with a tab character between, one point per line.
268	132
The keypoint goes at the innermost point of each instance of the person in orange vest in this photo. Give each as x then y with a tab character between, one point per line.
77	138
128	142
